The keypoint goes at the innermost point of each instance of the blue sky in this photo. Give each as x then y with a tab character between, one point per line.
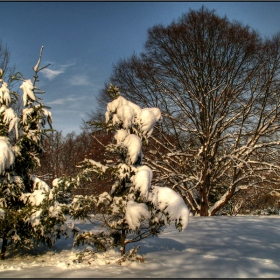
82	41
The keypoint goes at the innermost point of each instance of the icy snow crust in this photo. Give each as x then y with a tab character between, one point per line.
212	247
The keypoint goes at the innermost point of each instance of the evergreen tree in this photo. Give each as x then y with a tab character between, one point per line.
29	213
134	209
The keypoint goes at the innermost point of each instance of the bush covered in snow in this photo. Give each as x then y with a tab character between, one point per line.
134	209
29	213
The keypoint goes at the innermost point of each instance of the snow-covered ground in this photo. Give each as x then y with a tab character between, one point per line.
209	247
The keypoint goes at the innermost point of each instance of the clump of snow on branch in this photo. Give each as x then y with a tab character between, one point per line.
128	113
125	114
5	94
35	198
142	180
14	125
136	213
35	218
120	101
41	191
134	147
7	157
47	114
28	91
39	184
170	203
120	135
147	121
96	164
156	112
9	115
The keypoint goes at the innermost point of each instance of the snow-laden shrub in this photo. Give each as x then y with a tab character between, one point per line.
29	212
134	209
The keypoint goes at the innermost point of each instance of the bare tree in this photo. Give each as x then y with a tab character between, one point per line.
217	85
5	56
5	61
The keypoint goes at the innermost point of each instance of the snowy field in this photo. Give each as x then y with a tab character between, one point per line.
209	247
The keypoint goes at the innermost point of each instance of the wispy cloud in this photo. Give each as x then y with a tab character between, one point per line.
79	80
67	100
53	73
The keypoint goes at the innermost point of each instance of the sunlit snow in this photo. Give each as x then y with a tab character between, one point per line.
7	157
9	115
170	202
147	121
211	247
120	135
28	91
142	180
125	114
134	147
135	213
5	93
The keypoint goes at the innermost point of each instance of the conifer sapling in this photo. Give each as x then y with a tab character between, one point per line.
134	209
29	212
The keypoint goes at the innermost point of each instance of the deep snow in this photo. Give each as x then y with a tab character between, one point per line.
241	246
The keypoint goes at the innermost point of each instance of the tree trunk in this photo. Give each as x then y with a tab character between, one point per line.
205	185
4	248
204	203
222	201
123	242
